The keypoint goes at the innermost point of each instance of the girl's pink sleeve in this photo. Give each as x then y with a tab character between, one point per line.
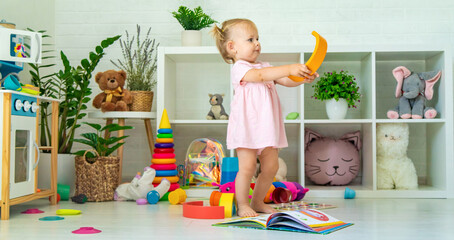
239	69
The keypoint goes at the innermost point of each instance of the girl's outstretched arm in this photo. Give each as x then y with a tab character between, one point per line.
290	83
273	73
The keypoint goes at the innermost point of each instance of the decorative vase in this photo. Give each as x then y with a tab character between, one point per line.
141	101
191	38
66	173
336	109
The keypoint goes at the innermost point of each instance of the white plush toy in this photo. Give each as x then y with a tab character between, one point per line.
140	186
394	168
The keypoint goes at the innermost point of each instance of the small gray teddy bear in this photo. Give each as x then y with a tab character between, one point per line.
217	111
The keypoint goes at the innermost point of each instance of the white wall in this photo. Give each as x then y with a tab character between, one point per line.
82	24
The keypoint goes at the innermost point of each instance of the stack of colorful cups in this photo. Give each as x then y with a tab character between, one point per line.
163	160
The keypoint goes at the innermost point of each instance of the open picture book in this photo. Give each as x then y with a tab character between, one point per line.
304	220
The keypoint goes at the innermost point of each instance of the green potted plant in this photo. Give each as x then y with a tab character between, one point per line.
192	21
97	173
140	63
340	90
71	86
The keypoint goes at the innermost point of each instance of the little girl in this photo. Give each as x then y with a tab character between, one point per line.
256	126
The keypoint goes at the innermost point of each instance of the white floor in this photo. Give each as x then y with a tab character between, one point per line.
372	218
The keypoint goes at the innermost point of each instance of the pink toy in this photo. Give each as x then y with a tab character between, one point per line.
141	201
32	211
164	155
302	191
292	188
332	161
225	188
86	230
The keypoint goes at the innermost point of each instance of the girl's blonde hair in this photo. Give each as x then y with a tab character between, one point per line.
223	34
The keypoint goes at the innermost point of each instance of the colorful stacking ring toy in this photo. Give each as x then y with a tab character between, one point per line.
173	186
165	135
164	145
164	150
268	197
165	130
159	167
290	186
165	173
163	160
279	184
164	140
164	155
214	198
281	195
301	191
172	179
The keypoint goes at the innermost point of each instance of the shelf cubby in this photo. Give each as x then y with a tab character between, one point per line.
359	64
426	149
415	61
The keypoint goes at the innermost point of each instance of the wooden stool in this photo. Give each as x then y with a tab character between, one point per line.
122	116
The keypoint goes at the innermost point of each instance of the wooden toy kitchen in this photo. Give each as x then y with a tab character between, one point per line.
20	124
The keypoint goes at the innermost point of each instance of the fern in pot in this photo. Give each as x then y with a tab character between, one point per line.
140	64
98	173
192	21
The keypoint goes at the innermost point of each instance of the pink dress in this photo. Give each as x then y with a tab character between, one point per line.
255	120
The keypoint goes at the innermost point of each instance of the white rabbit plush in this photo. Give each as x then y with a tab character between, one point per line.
140	186
394	168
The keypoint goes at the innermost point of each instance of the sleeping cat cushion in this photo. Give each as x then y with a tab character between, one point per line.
330	161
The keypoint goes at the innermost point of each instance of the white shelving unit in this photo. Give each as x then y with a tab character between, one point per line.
186	75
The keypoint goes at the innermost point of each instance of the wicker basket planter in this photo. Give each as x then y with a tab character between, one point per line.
141	101
97	180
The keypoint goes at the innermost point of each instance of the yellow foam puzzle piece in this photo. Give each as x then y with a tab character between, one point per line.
317	57
165	123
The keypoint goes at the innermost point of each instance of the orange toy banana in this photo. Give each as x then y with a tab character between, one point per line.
317	57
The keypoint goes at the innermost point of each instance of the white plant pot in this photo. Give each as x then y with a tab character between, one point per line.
336	109
191	38
66	172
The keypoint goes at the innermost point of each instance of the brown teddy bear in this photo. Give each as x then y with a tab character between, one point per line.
113	97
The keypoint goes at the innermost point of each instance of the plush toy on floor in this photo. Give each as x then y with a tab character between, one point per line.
140	186
113	96
217	111
412	90
394	168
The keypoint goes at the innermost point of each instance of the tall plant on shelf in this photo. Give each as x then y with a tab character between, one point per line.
71	86
140	64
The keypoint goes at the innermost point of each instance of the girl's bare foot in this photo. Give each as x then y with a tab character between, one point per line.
246	211
263	208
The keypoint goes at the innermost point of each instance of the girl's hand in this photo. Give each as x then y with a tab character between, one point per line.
311	78
301	70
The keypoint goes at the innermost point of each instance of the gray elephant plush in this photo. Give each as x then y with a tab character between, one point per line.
413	89
217	111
